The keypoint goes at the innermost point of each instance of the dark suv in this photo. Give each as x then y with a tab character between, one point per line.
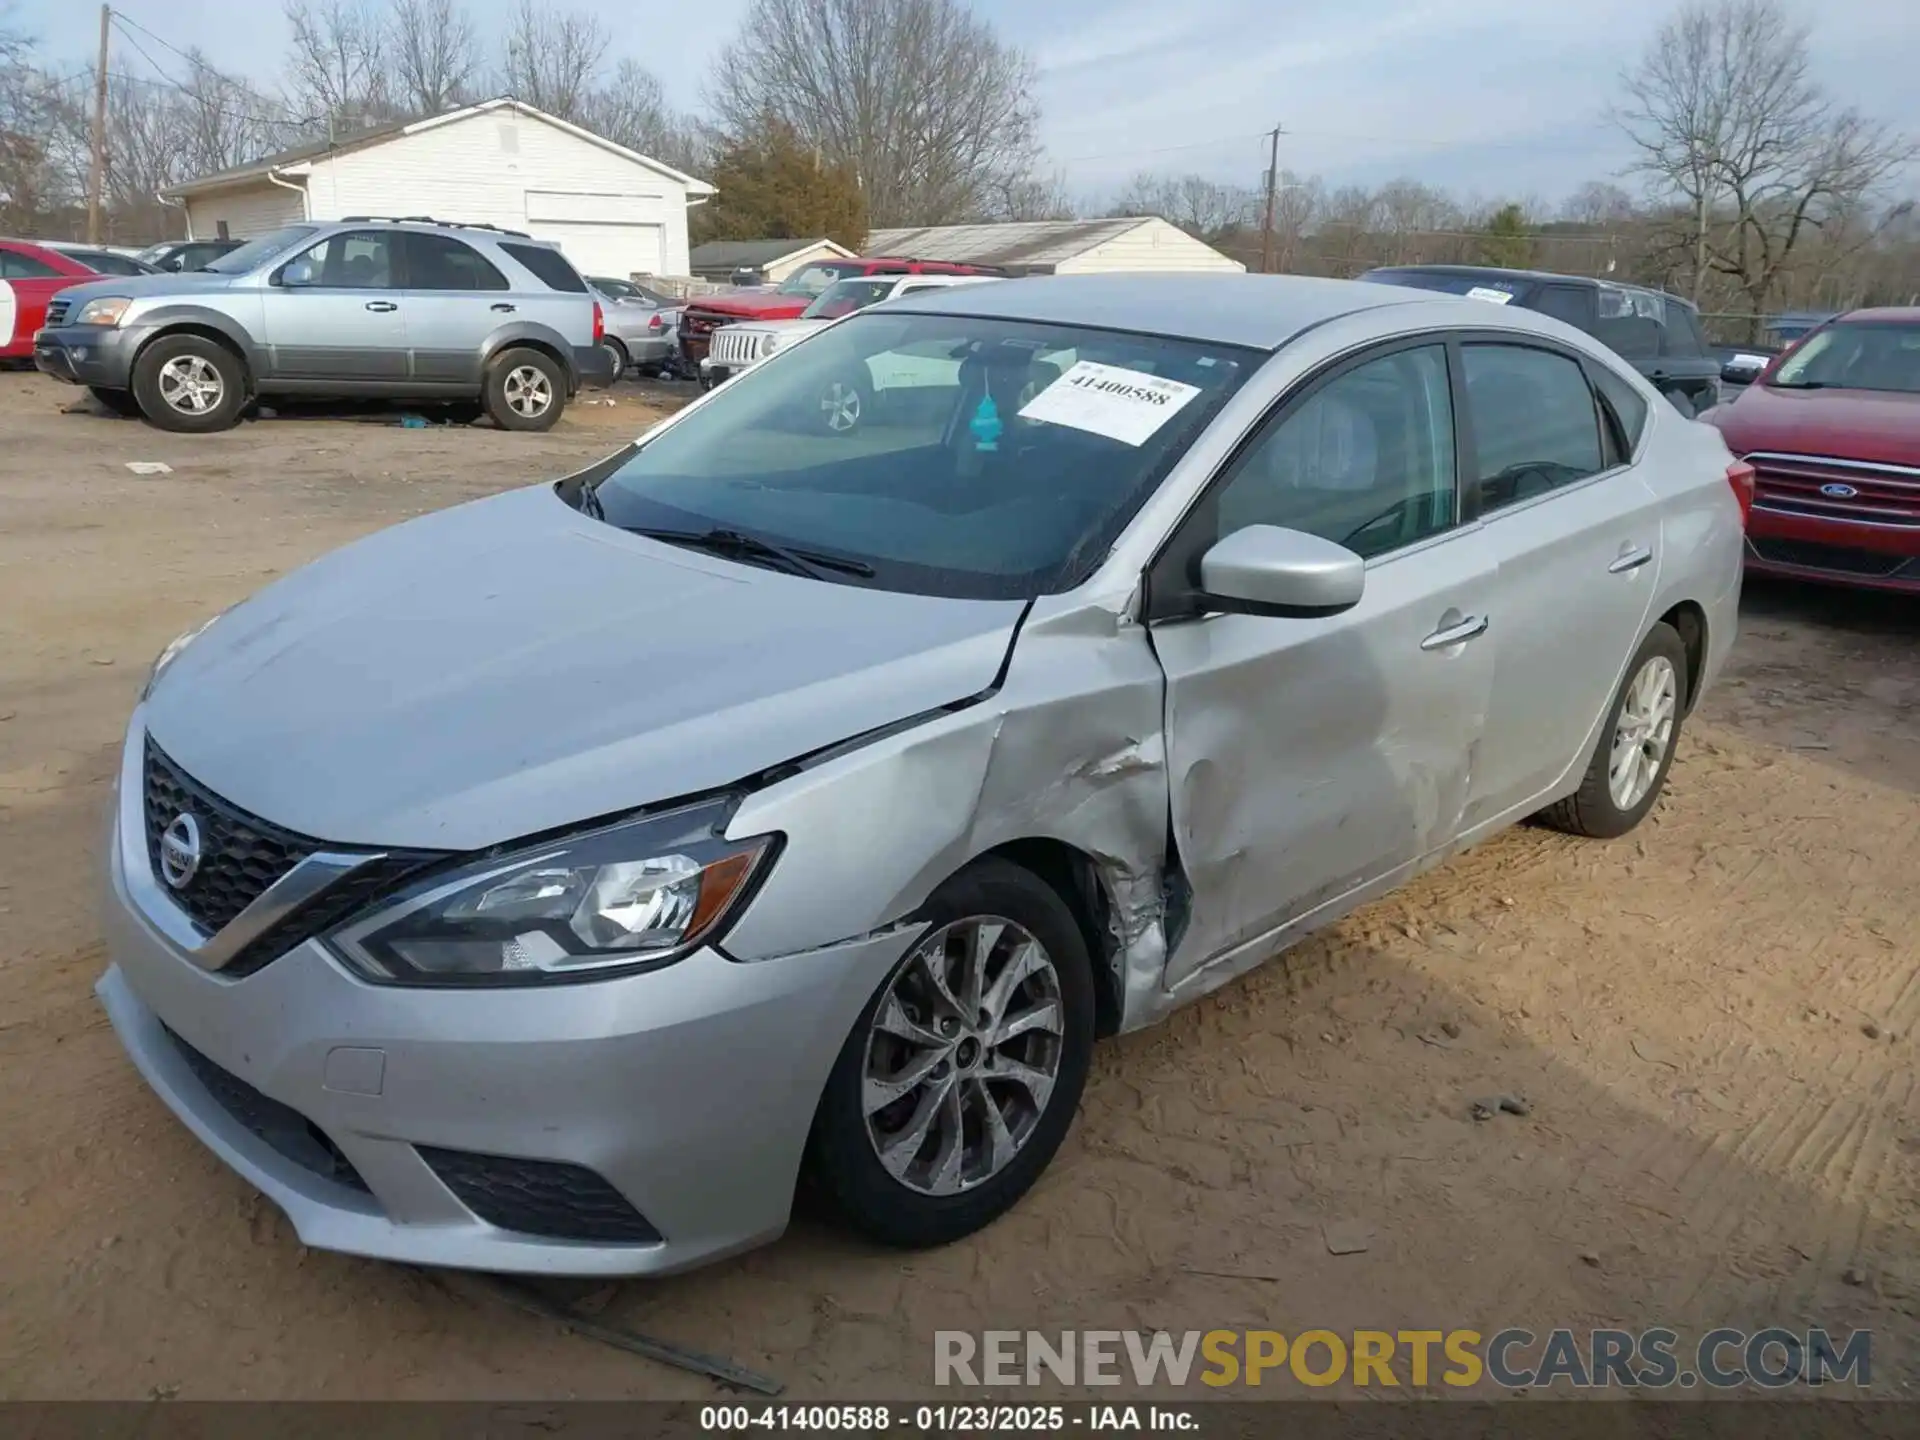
1656	333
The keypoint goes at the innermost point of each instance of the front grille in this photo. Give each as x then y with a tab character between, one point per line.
1883	495
241	855
540	1197
285	1130
732	347
57	312
1841	559
698	322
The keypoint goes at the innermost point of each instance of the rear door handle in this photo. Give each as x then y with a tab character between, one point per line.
1630	559
381	306
502	307
1467	629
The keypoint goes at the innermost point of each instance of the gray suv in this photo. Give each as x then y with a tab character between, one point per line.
478	319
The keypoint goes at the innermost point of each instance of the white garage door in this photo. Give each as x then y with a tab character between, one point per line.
617	250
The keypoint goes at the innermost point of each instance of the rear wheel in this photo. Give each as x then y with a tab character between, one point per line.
617	354
963	1073
525	390
189	383
1629	765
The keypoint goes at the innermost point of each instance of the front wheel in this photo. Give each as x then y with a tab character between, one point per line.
963	1073
1629	765
525	390
189	383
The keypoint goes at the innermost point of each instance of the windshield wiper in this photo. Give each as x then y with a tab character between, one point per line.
741	546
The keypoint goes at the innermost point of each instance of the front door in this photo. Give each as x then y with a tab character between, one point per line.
333	312
1575	533
1308	757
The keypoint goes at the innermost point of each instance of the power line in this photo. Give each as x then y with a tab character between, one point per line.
167	81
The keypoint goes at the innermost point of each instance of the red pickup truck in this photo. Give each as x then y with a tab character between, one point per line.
785	302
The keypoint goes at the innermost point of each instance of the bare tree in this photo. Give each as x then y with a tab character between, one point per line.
433	54
337	68
1598	203
1199	206
931	109
1727	118
553	58
1028	197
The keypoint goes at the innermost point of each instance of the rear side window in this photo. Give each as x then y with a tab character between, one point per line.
550	267
1535	426
1629	411
1682	335
15	266
439	262
1570	303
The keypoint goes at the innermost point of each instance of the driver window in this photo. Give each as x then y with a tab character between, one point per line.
1535	426
351	260
1366	460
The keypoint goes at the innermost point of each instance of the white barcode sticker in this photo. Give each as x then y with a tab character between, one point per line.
1124	405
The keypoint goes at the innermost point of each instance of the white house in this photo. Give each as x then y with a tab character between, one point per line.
503	163
775	259
1059	247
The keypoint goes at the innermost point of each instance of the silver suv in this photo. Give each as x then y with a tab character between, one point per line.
483	320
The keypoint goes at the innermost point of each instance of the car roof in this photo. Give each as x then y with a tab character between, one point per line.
1262	312
1885	314
1538	277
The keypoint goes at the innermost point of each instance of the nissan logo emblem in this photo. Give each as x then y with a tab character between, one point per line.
180	851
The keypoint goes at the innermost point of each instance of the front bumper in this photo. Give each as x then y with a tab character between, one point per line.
689	1091
100	355
1833	551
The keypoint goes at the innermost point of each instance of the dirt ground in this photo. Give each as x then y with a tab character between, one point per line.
1711	1021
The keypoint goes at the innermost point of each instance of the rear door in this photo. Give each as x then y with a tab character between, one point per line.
333	312
1309	757
1575	533
552	293
455	298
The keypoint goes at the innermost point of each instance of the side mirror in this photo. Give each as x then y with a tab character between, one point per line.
1265	570
297	273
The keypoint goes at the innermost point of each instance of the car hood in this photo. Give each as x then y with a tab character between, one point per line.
1868	425
141	287
791	328
511	666
770	303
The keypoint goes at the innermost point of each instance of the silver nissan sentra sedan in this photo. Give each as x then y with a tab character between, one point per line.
543	884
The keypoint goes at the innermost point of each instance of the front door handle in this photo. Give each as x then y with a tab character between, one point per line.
1466	629
503	307
381	307
1630	559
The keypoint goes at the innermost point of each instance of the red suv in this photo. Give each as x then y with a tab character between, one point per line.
29	276
785	302
1832	430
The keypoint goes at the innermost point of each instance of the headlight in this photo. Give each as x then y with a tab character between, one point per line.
107	310
634	896
768	344
172	653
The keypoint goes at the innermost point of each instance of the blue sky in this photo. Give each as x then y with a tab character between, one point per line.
1496	98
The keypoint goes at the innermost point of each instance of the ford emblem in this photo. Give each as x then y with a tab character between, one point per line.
1838	491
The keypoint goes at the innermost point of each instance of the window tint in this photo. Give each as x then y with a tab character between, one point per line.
439	262
352	260
1570	303
550	267
1681	335
1628	409
1366	461
106	262
1534	422
15	266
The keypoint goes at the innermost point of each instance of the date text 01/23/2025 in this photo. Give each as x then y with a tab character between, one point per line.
941	1419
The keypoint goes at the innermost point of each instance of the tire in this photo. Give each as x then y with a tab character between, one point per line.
926	1204
1682	402
1596	808
619	354
171	381
120	402
462	412
844	403
511	387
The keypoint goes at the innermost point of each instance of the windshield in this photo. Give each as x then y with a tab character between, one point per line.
811	280
954	455
847	296
1859	355
617	289
258	250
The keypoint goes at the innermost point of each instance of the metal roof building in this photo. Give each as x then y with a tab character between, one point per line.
1059	247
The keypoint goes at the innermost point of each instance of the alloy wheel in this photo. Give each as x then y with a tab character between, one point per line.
962	1055
191	385
1643	731
528	391
840	403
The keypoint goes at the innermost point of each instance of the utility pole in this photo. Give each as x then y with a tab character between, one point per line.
97	180
1266	225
